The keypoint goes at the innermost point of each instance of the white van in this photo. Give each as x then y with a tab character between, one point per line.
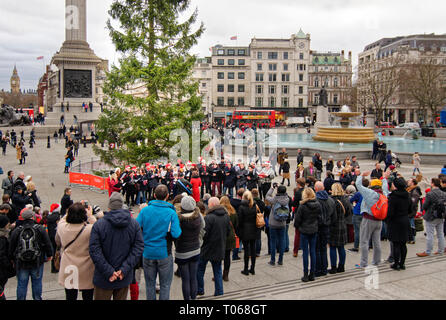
410	125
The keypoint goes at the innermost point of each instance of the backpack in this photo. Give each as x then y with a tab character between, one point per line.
439	208
379	209
281	212
28	250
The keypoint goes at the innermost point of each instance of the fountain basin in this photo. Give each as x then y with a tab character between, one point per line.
346	135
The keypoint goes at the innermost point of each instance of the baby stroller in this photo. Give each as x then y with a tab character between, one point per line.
396	160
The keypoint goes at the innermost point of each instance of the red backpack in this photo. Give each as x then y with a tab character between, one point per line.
379	209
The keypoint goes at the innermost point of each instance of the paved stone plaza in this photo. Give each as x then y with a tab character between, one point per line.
424	278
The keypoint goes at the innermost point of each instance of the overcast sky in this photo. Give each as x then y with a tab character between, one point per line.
33	28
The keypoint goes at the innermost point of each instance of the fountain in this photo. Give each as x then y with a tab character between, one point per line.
344	128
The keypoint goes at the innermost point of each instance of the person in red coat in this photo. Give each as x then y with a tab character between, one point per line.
196	185
113	183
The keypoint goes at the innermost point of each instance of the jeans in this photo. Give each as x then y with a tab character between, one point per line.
277	238
370	229
162	267
333	256
189	284
141	197
413	232
357	226
308	244
23	276
321	250
218	276
297	245
431	226
231	191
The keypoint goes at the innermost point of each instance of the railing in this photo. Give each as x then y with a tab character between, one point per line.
83	175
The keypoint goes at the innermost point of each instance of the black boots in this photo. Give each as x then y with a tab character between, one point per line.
245	272
226	275
340	269
305	277
333	270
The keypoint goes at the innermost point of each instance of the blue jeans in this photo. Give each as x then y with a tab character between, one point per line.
231	191
333	256
162	267
218	276
277	238
141	197
357	226
189	285
412	232
23	276
321	250
308	245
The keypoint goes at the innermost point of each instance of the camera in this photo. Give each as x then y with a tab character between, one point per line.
275	185
86	204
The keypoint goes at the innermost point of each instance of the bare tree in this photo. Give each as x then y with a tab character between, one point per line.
424	82
378	84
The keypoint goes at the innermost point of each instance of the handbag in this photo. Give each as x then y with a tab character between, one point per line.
260	220
58	253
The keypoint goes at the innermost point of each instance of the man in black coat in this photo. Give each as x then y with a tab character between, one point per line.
65	202
205	177
217	229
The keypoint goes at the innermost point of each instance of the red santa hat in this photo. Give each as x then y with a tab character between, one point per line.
127	167
55	207
134	168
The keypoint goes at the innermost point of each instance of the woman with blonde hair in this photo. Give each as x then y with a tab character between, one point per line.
247	231
231	241
338	229
306	221
31	189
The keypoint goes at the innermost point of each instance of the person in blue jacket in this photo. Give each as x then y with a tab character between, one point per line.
443	170
116	247
160	225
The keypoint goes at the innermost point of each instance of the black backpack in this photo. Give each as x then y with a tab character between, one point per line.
439	208
28	250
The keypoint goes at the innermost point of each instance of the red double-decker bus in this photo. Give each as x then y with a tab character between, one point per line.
257	118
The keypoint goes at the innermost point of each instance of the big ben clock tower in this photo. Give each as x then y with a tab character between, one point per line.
15	82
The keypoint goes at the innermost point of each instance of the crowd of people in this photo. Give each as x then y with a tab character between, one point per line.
194	214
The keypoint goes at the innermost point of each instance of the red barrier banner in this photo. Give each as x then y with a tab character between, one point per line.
87	180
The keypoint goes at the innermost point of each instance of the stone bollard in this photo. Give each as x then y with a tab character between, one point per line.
49	143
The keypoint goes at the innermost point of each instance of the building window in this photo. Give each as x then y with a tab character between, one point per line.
220	101
336	69
231	75
272	77
272	67
335	99
285	102
285	56
301	90
241	52
259	67
221	62
241	75
285	67
272	55
241	88
335	82
285	77
301	103
230	88
221	88
301	67
241	101
272	89
285	89
316	82
272	102
231	62
221	52
259	55
241	62
220	75
259	77
259	89
231	52
259	102
231	101
203	84
301	56
301	77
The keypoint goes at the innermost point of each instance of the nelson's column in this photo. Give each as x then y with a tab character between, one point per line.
77	74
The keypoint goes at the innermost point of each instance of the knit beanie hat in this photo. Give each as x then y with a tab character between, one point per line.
26	214
188	204
3	221
376	183
116	201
